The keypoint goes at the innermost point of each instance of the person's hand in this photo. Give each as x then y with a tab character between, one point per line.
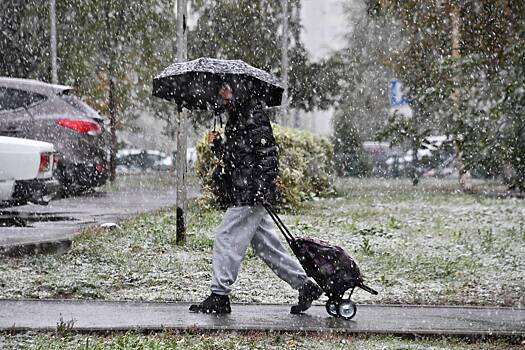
226	93
212	136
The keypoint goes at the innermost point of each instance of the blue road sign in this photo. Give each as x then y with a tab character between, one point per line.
395	94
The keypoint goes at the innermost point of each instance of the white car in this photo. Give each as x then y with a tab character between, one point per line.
26	171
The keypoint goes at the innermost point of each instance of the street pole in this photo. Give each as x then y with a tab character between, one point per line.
284	60
182	137
53	31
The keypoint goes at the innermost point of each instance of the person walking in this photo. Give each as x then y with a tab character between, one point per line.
245	180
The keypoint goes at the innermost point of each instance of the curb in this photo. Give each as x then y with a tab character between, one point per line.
513	338
32	248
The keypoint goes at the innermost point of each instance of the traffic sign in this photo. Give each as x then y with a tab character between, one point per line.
395	94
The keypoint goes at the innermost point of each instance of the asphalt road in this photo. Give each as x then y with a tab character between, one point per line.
21	315
57	223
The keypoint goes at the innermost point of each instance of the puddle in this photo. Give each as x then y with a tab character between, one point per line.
25	219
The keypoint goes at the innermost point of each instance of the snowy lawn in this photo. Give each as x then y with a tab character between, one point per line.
424	245
234	341
146	180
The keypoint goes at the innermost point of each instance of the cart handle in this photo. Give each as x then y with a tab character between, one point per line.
282	227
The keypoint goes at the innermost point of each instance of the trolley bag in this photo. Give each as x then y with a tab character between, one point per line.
330	266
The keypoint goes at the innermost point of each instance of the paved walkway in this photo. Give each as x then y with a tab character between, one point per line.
53	226
19	315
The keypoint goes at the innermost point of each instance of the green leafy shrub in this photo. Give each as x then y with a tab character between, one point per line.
305	163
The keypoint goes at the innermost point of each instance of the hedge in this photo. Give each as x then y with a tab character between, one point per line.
305	165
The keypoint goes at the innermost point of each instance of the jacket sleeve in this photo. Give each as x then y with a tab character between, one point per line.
217	147
265	150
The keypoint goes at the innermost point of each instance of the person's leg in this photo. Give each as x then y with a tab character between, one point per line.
229	248
269	248
231	241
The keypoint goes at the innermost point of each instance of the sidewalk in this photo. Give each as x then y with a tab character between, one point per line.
57	223
21	315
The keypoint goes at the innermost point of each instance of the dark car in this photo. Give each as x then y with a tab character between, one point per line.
47	112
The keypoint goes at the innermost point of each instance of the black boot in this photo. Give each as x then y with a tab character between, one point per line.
219	304
309	292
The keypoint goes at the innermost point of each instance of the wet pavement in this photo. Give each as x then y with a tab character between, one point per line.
36	227
21	315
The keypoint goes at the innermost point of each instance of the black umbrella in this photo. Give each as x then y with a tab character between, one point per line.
195	84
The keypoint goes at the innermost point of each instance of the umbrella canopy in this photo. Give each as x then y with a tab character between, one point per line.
195	84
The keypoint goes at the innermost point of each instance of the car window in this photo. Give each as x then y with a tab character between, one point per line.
15	98
80	105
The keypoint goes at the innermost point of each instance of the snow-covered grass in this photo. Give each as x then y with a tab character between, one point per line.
147	179
235	341
424	245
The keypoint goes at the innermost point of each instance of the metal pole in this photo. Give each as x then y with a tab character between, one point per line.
52	15
181	162
284	59
181	30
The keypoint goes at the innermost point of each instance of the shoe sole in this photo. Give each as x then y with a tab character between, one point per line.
197	309
296	309
299	310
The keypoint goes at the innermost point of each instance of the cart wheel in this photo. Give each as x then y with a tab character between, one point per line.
346	309
331	308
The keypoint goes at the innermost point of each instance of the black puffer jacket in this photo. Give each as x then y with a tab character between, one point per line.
249	158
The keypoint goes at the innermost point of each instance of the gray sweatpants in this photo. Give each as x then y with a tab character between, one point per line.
240	227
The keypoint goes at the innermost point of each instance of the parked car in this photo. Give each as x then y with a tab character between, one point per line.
47	112
383	157
26	171
132	160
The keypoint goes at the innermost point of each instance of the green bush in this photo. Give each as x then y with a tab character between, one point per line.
304	166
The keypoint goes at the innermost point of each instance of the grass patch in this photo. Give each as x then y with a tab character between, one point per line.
147	180
424	245
235	341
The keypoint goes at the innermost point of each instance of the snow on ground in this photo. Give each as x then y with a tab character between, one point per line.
236	341
424	245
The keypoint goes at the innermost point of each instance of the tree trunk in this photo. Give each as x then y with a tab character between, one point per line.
506	8
464	175
112	57
415	162
416	142
53	43
112	126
